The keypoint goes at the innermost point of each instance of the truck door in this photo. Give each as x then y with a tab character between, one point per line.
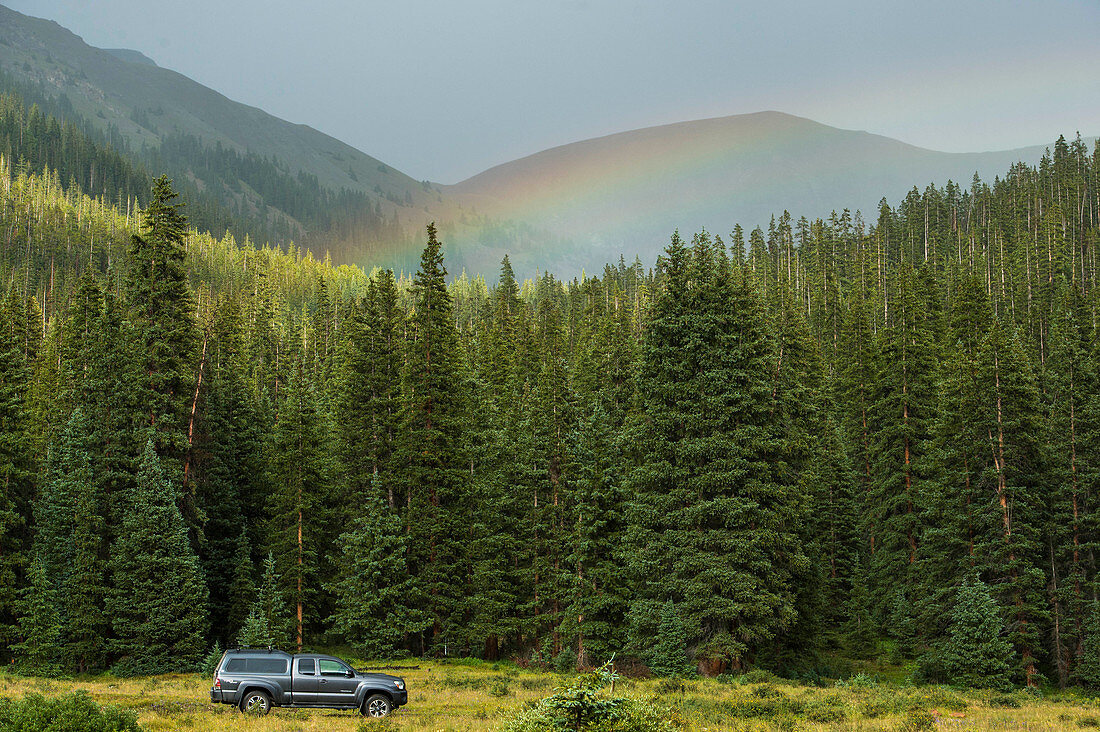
305	681
334	687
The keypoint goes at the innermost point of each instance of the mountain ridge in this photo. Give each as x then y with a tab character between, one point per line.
576	205
626	192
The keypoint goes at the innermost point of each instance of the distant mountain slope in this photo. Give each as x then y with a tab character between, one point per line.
129	54
627	192
157	112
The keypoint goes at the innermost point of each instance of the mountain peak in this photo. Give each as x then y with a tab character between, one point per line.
130	55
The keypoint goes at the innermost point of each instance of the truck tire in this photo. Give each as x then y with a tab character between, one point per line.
376	705
256	701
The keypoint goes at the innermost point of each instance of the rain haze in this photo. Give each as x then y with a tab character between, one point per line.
443	90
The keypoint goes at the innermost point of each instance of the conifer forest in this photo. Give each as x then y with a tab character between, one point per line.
847	434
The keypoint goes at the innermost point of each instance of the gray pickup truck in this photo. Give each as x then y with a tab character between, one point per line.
258	679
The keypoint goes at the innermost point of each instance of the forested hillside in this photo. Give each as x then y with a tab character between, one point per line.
830	435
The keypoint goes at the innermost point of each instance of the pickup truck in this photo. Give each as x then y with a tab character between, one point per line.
257	679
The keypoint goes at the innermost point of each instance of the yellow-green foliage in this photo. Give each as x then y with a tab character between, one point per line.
479	697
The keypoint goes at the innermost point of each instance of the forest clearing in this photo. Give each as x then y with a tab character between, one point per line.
475	695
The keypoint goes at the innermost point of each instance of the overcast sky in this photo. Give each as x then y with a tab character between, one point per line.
445	89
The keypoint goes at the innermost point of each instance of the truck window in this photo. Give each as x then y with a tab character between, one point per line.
306	666
266	665
331	668
235	665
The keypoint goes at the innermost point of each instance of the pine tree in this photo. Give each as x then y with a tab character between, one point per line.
160	301
433	474
269	623
299	530
40	650
157	603
669	654
976	653
373	589
713	521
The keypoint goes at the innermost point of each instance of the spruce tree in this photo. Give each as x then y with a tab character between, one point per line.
269	623
16	470
713	519
669	654
598	594
432	472
1087	671
372	588
901	419
160	302
69	542
299	531
157	602
975	652
230	475
40	650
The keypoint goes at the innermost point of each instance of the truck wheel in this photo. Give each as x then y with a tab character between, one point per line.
376	705
256	702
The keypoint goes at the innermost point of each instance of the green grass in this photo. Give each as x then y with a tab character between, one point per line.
475	695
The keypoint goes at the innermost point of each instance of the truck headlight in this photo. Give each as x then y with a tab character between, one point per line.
399	684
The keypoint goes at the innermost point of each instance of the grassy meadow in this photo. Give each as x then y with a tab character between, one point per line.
473	695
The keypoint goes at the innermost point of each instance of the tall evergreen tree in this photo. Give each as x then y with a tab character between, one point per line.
432	471
711	524
157	602
975	652
373	589
300	533
160	300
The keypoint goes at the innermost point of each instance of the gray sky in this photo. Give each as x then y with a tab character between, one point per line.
443	90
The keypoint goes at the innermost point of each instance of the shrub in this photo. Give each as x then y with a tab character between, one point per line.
859	681
582	706
1006	701
827	709
941	697
917	720
1088	722
499	687
210	663
566	661
883	705
385	724
757	676
75	712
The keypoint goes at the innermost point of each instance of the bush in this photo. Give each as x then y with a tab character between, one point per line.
583	706
757	676
1005	701
210	663
75	712
1088	722
917	720
859	681
883	705
828	709
566	661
